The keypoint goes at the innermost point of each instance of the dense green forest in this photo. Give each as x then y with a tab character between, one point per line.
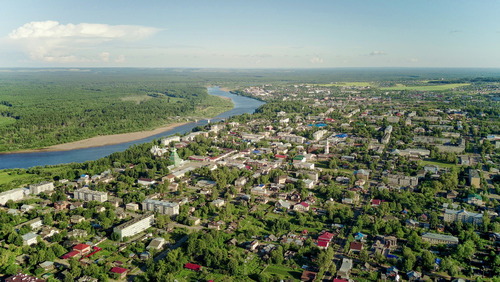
40	109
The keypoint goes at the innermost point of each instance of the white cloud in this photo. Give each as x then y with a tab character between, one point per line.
377	53
414	60
316	60
50	41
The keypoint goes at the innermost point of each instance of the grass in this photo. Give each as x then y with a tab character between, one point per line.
16	180
446	165
426	87
283	271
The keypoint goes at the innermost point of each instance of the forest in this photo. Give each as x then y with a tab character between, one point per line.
39	109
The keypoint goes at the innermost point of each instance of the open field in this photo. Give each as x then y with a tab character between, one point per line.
284	271
440	87
446	165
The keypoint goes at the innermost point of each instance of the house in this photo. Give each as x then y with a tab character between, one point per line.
345	268
356	247
253	245
240	182
308	276
376	202
283	204
362	174
77	233
75	219
47	265
29	239
193	266
474	199
120	271
412	223
82	249
474	178
156	244
217	225
218	203
145	181
324	240
26	208
413	275
302	207
132	206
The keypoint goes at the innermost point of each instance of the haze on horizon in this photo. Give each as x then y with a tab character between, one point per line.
250	34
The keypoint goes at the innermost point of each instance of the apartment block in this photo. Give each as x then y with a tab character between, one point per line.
46	186
85	194
134	226
161	207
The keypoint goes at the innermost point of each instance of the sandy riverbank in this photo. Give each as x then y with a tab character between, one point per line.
104	140
225	89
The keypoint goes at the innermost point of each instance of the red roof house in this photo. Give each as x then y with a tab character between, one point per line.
323	244
326	236
193	266
70	254
339	280
120	271
82	248
376	202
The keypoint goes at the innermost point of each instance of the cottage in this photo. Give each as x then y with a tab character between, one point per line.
120	272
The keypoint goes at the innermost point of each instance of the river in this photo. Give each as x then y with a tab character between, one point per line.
26	160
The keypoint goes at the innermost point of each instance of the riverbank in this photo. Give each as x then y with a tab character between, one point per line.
105	140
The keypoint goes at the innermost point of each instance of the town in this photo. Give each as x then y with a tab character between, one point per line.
335	182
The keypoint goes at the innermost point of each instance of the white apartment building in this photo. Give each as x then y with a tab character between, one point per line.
134	226
46	186
14	195
86	194
161	207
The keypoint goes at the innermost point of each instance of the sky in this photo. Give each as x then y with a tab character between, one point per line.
250	34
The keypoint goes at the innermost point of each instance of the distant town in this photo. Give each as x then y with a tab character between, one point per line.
325	182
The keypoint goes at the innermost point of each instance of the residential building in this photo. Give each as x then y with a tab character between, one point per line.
134	226
14	195
345	268
85	194
29	239
46	186
156	244
463	216
166	141
161	207
399	180
474	178
435	238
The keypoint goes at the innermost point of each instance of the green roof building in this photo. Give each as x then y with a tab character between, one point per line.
174	157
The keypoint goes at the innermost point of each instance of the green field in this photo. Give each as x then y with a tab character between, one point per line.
440	87
10	179
446	165
283	271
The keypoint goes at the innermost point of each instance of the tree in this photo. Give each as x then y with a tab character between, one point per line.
428	260
277	255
